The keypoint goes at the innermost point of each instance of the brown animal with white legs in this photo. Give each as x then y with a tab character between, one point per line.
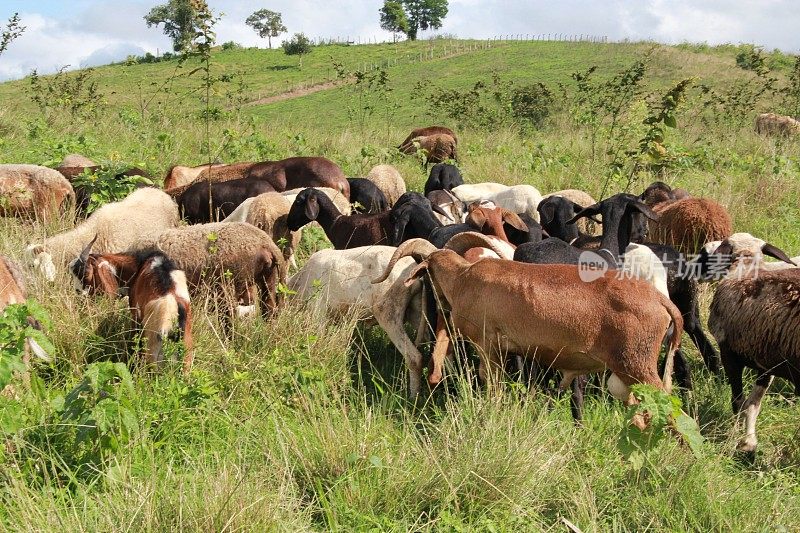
547	313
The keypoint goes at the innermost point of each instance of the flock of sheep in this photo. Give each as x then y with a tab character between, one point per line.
503	267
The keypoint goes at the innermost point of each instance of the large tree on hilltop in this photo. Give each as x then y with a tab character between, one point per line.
423	15
393	18
267	24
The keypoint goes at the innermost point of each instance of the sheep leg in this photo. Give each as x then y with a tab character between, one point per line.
576	400
751	408
683	375
441	350
733	371
693	328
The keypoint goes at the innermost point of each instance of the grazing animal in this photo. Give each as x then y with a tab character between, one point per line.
772	124
389	180
269	212
505	307
437	147
344	231
226	196
443	177
207	253
159	302
414	216
142	215
517	199
741	254
428	130
455	208
295	172
178	176
580	199
215	174
756	321
685	224
34	192
493	221
366	197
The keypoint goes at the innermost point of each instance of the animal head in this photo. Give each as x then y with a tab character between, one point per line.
490	221
554	212
740	253
623	216
93	274
305	208
413	206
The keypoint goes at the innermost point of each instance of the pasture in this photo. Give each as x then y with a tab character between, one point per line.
291	424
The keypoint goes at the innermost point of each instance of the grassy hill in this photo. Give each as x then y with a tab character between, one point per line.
302	426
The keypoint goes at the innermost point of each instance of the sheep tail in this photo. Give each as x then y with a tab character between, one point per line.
674	342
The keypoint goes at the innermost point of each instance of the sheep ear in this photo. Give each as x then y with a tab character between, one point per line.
514	221
588	212
547	211
476	219
312	208
645	210
725	248
417	273
777	253
400	227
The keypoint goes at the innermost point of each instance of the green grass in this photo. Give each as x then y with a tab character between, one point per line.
299	426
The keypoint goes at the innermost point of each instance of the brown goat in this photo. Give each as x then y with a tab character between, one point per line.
546	312
490	220
688	224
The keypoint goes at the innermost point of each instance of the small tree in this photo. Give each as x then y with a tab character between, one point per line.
393	18
12	31
179	18
267	24
424	14
299	45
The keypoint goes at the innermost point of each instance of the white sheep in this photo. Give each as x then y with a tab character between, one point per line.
517	199
743	254
389	180
339	281
142	215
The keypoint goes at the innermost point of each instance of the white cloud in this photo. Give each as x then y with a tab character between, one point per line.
97	30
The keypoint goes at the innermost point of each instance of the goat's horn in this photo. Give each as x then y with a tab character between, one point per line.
461	242
86	251
419	249
441	211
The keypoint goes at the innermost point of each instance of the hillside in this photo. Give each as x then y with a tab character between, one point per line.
303	424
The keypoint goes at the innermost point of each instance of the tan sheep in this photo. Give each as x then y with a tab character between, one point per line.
34	192
214	174
389	180
268	212
773	124
143	214
438	147
77	160
178	176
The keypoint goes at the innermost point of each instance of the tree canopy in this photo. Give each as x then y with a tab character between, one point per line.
298	45
411	16
179	20
393	18
267	24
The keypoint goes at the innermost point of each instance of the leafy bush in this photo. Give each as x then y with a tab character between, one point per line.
77	94
231	45
752	58
532	103
108	184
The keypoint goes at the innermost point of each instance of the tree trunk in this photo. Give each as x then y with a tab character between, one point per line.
269	41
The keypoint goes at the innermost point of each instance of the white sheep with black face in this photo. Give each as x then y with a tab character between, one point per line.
742	254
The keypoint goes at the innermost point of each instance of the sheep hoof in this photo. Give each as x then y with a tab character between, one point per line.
747	445
245	310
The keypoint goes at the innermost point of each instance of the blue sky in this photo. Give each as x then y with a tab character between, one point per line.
90	32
